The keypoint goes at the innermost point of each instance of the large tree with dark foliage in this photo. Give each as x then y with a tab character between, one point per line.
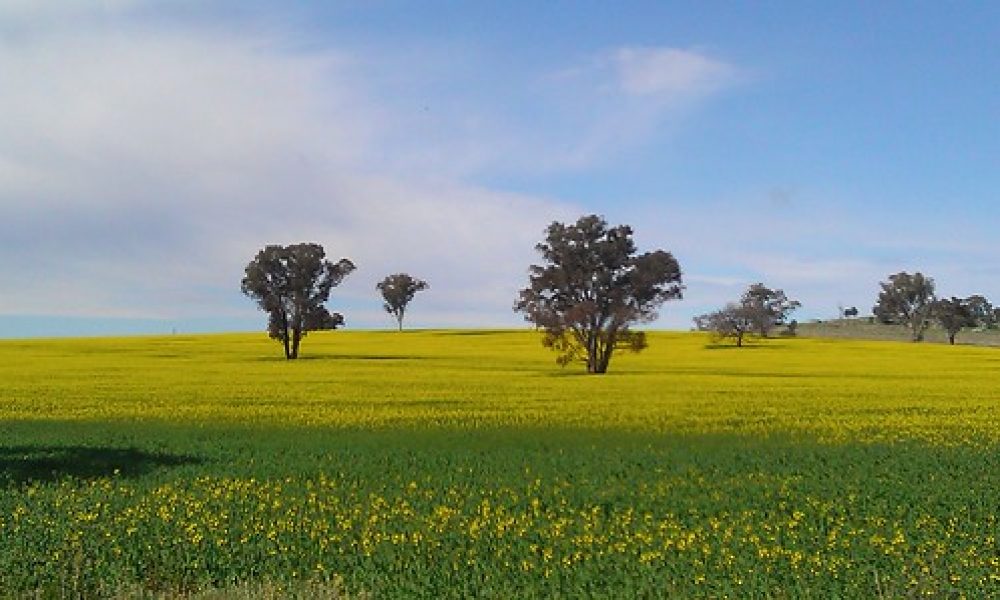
954	315
907	300
291	284
766	308
592	287
397	291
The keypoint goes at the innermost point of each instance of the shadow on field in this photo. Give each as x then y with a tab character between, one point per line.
745	347
24	464
576	371
366	357
471	332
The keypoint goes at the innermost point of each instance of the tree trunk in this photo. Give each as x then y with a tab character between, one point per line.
602	364
592	358
739	340
951	338
296	338
284	338
399	320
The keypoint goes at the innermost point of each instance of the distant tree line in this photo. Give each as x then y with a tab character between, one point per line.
904	299
911	301
590	290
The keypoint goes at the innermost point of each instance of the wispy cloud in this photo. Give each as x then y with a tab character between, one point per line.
624	97
34	10
671	74
570	118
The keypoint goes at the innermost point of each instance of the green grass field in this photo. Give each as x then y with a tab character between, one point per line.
862	329
467	464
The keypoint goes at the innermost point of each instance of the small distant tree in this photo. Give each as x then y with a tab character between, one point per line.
982	311
291	284
767	308
592	287
397	291
953	315
734	321
851	312
792	329
907	300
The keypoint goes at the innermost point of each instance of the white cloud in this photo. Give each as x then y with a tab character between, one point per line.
624	98
567	119
33	10
670	73
141	168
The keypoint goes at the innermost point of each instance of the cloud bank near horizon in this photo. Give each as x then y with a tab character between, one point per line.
140	170
144	160
141	167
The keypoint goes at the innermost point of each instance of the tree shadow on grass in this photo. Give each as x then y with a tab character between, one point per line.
364	357
25	464
570	372
745	346
472	332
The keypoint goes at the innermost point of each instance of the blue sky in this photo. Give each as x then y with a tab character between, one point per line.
149	148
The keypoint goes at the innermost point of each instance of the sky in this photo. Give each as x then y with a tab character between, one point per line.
148	149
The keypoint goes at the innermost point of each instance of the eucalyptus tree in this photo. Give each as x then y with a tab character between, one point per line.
593	287
766	307
736	320
954	315
907	300
291	284
397	292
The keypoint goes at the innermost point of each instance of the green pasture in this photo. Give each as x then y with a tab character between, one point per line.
467	464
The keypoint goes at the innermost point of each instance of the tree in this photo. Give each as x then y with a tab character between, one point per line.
767	308
735	321
397	291
982	311
906	300
954	315
592	287
290	284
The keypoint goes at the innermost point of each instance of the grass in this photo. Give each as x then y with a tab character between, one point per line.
444	464
863	329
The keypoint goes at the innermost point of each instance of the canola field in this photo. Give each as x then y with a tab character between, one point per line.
464	464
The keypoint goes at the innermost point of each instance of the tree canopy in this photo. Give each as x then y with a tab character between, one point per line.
766	307
291	284
592	287
908	300
398	291
953	315
759	311
734	321
982	311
